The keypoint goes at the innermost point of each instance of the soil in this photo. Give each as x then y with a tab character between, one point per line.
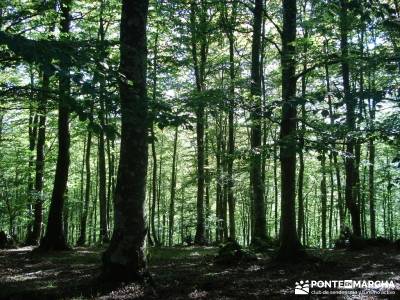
190	273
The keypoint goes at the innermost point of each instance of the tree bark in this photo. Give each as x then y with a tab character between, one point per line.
231	134
334	151
82	237
199	70
39	172
290	246
173	191
324	199
257	185
124	260
101	146
371	173
54	238
351	174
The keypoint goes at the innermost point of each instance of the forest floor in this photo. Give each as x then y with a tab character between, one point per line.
189	273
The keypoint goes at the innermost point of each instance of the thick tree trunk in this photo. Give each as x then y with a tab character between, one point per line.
54	238
290	246
199	70
124	260
351	174
257	185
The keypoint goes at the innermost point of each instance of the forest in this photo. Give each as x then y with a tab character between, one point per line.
199	149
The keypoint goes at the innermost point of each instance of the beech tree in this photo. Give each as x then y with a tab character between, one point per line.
54	238
124	258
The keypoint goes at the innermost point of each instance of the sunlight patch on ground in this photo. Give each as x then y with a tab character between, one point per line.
31	275
21	249
131	291
253	268
198	294
213	274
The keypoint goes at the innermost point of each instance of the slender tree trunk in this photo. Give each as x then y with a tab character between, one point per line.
300	216
219	190
207	183
124	260
32	135
103	238
154	189
334	152
39	172
82	237
371	177
159	191
173	191
275	149
324	199
54	238
231	136
290	247
332	196
257	185
351	172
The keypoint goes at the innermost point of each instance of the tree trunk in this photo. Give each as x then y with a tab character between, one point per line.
276	189
324	199
199	70
101	146
371	172
39	172
257	185
351	174
32	136
54	238
124	260
154	189
82	237
290	246
334	151
173	191
231	137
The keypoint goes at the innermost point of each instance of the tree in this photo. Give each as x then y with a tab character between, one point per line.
351	172
124	259
40	161
54	238
290	246
82	235
173	190
257	185
199	70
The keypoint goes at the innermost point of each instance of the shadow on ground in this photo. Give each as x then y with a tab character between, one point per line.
185	273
